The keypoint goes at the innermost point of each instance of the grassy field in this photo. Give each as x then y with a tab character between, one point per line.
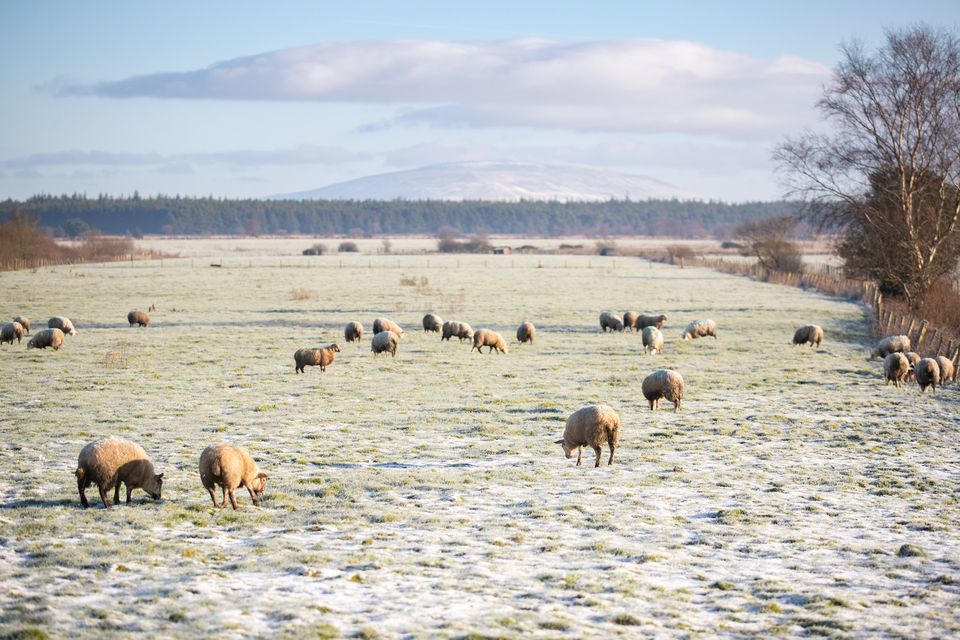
423	495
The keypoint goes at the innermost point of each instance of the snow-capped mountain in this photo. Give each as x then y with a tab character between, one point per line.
499	181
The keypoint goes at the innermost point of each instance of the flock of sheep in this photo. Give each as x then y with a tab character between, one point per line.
901	364
110	462
52	336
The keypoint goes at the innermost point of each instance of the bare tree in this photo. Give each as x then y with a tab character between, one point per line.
768	240
886	175
677	253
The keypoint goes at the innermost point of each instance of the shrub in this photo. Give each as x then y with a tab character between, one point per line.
348	246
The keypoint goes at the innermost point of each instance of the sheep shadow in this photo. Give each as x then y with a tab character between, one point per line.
33	503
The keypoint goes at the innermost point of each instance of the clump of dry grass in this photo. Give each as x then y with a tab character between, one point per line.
302	294
115	359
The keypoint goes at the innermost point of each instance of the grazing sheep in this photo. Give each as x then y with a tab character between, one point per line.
913	358
230	467
663	383
650	321
385	324
630	320
353	331
11	330
812	333
946	369
896	367
64	324
891	344
432	323
487	338
610	321
321	357
23	323
591	426
927	372
139	318
385	341
46	338
526	332
109	461
461	330
652	340
700	329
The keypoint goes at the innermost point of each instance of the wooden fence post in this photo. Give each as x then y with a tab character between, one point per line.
923	331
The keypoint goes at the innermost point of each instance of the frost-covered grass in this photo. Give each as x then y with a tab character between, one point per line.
423	495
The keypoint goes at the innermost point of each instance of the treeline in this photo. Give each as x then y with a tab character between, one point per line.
73	215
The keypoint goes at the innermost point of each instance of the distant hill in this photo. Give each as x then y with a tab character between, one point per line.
498	182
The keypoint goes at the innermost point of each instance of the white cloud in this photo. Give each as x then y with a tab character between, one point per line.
640	85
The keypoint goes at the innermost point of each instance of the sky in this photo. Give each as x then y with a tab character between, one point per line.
249	99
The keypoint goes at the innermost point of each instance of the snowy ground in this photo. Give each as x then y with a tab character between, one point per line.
424	495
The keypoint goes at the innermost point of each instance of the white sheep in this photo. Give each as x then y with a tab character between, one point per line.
385	341
652	340
231	467
591	426
896	368
23	323
700	329
386	324
487	338
812	333
608	321
139	318
432	322
461	330
526	332
64	324
644	321
11	331
322	357
913	358
353	332
891	344
666	384
927	373
46	338
107	462
946	369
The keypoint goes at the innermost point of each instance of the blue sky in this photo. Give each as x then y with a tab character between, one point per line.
246	99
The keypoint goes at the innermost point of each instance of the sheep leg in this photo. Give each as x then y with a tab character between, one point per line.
213	496
103	495
612	449
579	455
116	493
224	504
233	499
83	495
676	406
598	451
253	496
129	491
